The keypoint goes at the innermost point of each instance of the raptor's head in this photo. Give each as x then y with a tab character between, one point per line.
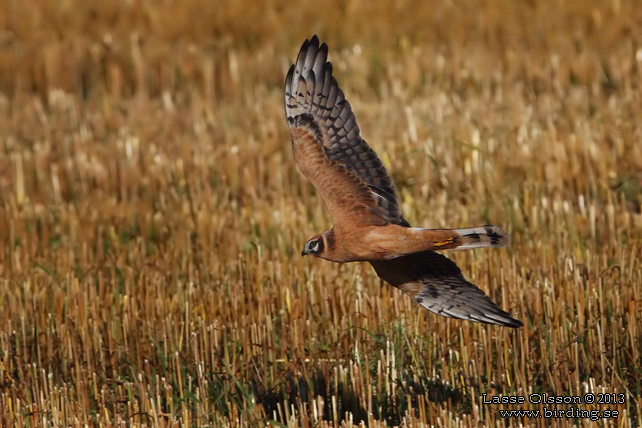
314	246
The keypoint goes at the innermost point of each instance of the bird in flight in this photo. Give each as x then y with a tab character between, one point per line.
362	201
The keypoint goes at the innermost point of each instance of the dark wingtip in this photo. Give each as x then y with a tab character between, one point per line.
306	44
500	317
309	43
512	323
288	77
497	318
316	43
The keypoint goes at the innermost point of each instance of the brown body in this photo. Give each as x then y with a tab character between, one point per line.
382	242
362	201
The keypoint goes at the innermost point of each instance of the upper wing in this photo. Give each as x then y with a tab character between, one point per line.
437	284
319	116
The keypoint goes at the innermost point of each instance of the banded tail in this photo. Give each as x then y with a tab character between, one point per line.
481	237
462	239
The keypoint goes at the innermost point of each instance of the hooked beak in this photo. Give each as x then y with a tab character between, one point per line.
304	253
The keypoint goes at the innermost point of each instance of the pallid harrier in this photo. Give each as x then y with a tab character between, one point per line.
362	201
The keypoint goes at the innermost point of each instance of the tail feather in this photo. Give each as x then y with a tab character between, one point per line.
481	237
460	239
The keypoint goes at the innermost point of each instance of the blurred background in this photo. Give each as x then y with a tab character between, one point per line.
152	216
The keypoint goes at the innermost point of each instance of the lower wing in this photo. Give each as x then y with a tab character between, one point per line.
437	284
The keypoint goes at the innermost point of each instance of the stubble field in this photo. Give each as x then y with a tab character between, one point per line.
152	216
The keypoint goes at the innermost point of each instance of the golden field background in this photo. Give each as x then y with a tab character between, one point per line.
152	216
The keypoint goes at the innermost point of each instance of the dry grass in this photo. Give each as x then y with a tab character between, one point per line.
151	214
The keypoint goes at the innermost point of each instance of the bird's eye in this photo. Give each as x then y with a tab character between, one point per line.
314	245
